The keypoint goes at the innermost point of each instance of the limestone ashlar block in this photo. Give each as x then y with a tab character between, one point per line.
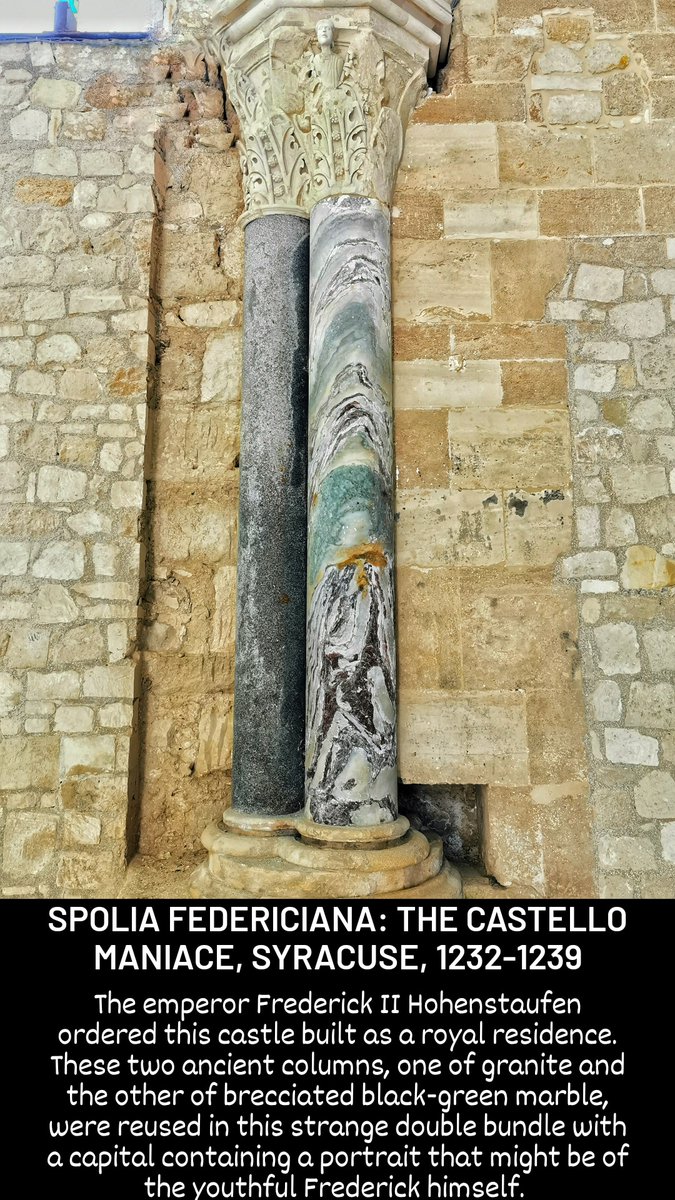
567	839
541	384
200	526
651	706
660	647
541	837
434	281
512	448
540	158
190	675
428	384
662	92
538	526
87	754
43	190
215	179
428	622
444	157
421	448
413	341
468	103
501	58
200	264
29	762
512	850
517	631
464	737
511	214
529	340
29	843
417	213
636	154
196	443
555	732
658	50
524	274
439	527
611	16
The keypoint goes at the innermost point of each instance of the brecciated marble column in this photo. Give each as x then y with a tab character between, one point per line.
351	648
269	688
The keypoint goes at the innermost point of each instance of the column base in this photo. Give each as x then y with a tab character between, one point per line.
293	858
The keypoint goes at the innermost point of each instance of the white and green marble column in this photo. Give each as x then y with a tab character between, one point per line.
351	645
323	98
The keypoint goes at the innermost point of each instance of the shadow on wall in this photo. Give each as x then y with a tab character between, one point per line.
453	811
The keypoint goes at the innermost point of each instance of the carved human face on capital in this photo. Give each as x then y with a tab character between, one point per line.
324	33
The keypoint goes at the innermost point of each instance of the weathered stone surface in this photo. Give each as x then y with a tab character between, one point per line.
56	93
627	853
639	484
645	568
668	848
429	640
636	154
538	527
523	276
499	452
606	701
29	843
452	156
595	377
425	384
655	363
655	795
571	211
28	762
541	158
660	647
544	384
574	108
437	527
591	564
469	739
514	627
617	649
87	755
629	746
60	560
433	281
651	706
598	283
491	215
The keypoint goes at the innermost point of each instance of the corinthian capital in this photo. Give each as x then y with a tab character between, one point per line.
324	95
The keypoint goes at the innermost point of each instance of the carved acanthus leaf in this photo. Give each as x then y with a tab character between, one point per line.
318	116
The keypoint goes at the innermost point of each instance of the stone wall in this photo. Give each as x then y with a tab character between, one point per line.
530	238
82	181
534	441
187	648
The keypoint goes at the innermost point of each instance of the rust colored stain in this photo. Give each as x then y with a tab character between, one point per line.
128	381
367	552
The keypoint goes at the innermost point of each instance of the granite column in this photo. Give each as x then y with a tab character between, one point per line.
269	703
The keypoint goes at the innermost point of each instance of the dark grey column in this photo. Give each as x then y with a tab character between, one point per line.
269	690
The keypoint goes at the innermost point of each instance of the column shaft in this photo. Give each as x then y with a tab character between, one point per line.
351	669
269	702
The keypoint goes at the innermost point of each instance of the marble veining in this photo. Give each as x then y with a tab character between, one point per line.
351	658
